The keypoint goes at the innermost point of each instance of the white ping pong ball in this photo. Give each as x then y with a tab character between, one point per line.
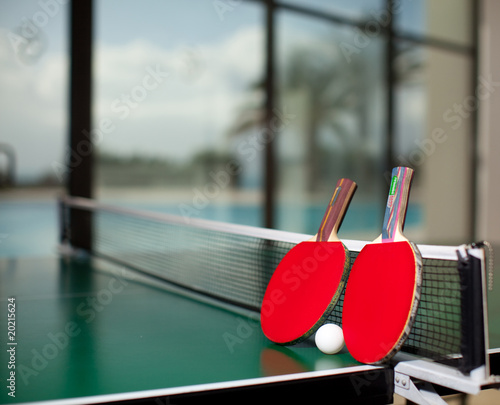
329	338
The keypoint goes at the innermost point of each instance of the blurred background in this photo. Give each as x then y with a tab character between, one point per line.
249	111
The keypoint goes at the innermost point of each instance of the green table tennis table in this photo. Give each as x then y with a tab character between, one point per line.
81	328
93	332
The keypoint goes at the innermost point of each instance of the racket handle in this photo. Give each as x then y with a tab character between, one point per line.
336	210
397	204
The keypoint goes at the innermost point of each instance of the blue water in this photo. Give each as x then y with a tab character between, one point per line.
30	228
361	217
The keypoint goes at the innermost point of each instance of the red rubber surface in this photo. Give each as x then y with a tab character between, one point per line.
301	290
378	300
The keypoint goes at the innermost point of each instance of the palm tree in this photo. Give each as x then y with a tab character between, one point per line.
332	88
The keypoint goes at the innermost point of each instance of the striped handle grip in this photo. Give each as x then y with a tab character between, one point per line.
336	210
397	203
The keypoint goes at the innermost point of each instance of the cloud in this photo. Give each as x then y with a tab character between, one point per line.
188	111
33	111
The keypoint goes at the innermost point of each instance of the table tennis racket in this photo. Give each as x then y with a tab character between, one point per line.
308	281
383	291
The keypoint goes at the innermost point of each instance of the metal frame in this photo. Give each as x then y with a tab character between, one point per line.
80	164
417	379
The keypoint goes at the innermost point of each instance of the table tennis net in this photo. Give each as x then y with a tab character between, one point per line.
234	264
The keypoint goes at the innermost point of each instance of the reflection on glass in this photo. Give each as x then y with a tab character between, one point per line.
173	90
33	79
33	123
355	9
445	160
337	99
431	135
410	126
410	95
450	20
410	17
178	97
447	20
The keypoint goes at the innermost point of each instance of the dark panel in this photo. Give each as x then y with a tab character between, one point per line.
80	156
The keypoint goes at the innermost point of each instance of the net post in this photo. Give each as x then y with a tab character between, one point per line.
474	345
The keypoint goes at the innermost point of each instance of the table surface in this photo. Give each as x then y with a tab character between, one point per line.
88	331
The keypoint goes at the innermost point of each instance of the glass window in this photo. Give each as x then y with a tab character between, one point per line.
334	94
179	85
33	123
433	124
33	79
352	9
410	97
446	20
446	171
410	17
451	20
410	125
